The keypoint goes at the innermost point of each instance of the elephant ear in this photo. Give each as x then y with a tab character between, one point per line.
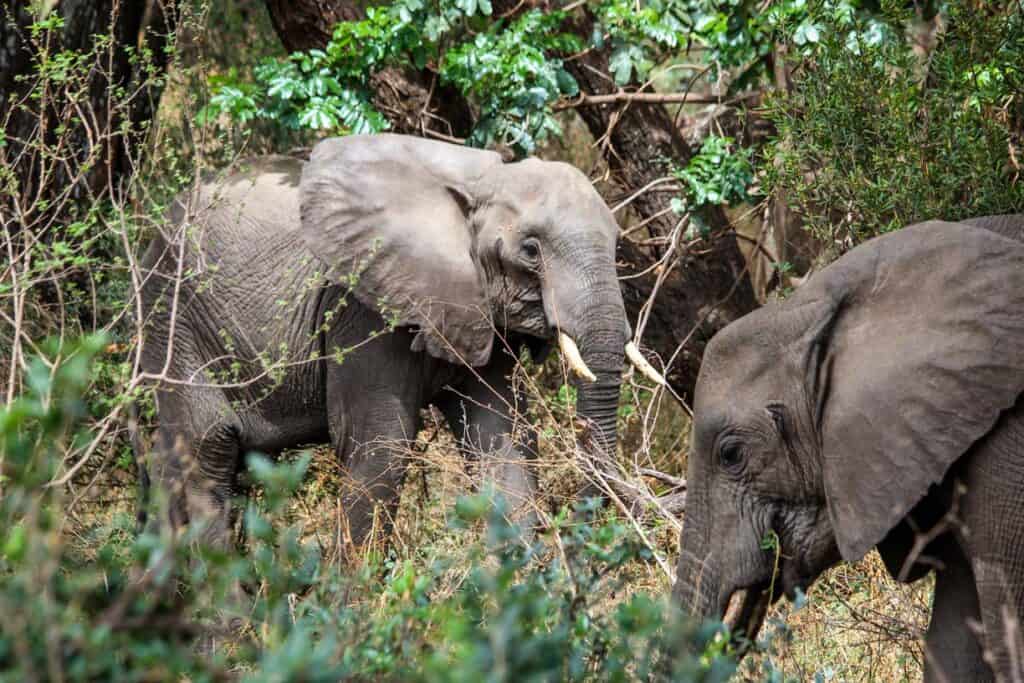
389	214
921	348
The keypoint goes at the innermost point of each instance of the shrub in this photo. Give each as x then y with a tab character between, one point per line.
138	608
875	136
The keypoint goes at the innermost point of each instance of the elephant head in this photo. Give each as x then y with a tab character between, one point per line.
820	421
459	245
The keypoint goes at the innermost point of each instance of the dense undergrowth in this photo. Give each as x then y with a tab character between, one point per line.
121	607
873	134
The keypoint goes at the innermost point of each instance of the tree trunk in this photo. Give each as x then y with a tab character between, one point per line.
705	289
70	142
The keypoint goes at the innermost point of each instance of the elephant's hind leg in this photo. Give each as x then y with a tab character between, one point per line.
194	471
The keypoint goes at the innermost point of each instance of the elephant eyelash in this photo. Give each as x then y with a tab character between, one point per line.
782	424
777	412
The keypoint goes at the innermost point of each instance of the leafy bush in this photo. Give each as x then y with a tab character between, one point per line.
139	608
875	136
720	173
511	70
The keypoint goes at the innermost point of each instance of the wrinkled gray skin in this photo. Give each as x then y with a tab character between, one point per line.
882	395
469	257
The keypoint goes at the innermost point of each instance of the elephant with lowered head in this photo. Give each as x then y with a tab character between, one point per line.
878	406
332	300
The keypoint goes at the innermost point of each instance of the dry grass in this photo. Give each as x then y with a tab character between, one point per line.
857	624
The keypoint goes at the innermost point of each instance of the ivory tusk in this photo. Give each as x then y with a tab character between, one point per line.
572	356
641	363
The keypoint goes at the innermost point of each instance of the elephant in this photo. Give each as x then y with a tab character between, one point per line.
877	406
330	300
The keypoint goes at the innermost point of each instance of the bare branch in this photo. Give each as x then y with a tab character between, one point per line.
585	100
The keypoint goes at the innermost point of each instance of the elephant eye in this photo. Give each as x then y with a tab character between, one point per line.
730	454
530	251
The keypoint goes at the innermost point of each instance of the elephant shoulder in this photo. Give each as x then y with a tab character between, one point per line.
255	201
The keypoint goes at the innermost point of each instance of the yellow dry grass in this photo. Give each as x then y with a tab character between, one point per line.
857	624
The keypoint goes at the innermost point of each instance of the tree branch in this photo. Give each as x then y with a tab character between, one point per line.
585	100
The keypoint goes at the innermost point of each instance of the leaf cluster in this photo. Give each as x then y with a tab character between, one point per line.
508	69
514	80
720	173
876	136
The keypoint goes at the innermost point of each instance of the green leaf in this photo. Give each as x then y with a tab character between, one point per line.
807	32
621	64
14	546
567	85
467	6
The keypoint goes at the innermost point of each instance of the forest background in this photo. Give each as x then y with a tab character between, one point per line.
742	145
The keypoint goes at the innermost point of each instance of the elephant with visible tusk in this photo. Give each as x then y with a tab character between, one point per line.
879	406
332	300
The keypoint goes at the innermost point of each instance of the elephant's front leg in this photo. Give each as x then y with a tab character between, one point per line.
952	652
374	451
488	416
373	400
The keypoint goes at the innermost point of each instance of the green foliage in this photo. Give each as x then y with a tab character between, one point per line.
874	137
125	609
510	75
512	71
509	71
63	613
720	173
640	36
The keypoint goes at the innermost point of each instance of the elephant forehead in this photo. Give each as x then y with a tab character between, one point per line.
544	178
742	349
552	189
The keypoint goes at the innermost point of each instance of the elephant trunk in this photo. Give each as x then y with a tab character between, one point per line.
698	576
697	581
602	336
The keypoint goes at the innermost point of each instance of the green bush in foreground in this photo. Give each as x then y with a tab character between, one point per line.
139	609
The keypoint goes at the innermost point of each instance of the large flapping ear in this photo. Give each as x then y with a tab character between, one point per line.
389	215
921	349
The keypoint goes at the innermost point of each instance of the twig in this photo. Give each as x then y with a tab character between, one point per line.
674	482
442	136
649	186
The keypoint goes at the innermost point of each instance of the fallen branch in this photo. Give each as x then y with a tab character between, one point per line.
648	98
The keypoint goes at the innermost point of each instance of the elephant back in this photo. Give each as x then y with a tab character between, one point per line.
248	284
1007	225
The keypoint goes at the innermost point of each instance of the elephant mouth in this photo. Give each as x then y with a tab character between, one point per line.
745	611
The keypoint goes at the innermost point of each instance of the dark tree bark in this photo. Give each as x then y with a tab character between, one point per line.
73	143
308	24
705	289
